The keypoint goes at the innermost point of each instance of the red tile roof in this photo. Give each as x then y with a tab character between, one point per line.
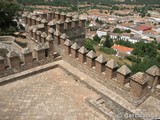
122	48
143	27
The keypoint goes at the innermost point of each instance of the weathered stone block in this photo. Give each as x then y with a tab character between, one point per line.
123	75
139	85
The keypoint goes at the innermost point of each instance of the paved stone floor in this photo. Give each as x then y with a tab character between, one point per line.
51	95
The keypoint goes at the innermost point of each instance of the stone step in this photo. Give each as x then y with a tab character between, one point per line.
100	101
109	108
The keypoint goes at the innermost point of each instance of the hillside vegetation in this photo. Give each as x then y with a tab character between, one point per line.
103	2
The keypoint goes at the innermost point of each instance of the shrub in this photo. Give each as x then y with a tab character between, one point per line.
107	50
89	45
117	30
96	38
133	59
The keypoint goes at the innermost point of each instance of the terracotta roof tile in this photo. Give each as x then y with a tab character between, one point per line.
143	27
122	48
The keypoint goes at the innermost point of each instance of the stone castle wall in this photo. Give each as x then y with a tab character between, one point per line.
110	73
46	46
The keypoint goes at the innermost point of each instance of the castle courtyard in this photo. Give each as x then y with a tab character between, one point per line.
50	95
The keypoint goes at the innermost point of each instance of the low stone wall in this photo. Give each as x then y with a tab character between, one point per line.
27	73
7	38
15	45
24	67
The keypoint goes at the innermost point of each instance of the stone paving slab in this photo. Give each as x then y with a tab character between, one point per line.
90	82
147	108
50	95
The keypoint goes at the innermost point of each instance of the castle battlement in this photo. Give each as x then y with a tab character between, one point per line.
46	40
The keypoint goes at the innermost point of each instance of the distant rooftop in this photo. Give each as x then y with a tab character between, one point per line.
122	48
143	27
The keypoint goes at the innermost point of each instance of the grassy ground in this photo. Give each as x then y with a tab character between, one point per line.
120	61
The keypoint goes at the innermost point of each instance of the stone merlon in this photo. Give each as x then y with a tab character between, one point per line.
49	38
39	19
64	36
57	33
44	21
60	22
12	54
154	71
83	50
112	64
51	30
124	70
101	59
53	22
44	35
75	46
139	78
1	58
67	20
68	42
91	54
38	32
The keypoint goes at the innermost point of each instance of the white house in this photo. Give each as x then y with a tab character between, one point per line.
101	32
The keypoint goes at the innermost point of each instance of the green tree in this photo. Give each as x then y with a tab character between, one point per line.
99	21
109	42
107	50
128	31
115	8
117	30
143	49
96	38
89	45
74	7
158	46
124	43
148	15
8	11
143	65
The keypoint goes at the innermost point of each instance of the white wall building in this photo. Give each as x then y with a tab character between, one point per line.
101	33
